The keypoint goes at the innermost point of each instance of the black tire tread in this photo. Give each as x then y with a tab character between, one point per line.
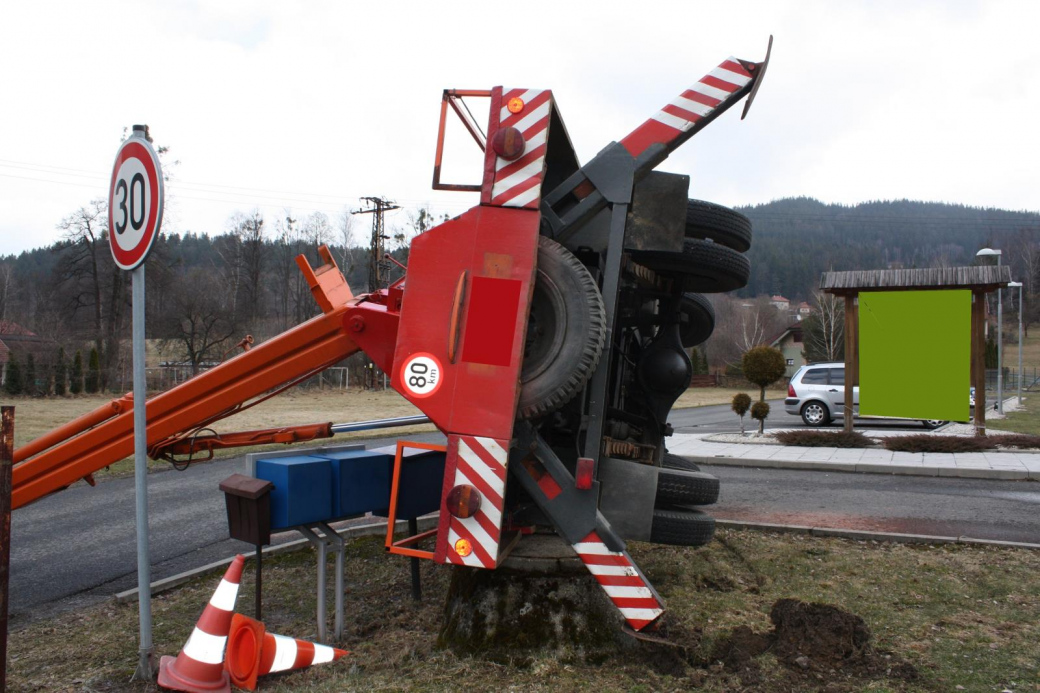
701	320
592	347
720	224
683	487
707	267
682	527
672	461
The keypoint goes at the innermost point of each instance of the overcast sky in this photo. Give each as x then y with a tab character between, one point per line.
308	106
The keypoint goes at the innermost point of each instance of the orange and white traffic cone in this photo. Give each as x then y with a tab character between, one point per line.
253	652
199	668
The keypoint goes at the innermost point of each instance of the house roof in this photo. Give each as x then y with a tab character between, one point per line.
979	278
779	298
12	328
795	327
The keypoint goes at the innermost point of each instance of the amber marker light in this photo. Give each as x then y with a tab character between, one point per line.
463	548
515	104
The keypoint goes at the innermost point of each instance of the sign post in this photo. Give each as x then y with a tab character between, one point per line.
135	207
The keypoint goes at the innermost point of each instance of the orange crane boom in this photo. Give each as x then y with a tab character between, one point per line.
106	435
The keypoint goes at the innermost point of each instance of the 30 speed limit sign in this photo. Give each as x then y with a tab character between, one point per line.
135	201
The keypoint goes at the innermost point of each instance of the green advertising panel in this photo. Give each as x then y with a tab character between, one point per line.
915	354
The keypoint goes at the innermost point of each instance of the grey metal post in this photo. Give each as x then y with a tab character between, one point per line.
1000	346
145	667
1020	344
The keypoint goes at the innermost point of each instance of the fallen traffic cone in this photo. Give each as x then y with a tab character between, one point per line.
253	652
199	668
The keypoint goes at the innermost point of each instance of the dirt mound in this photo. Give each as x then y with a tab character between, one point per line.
823	633
812	639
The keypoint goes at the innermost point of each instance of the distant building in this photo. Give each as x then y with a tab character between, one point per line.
16	340
803	310
789	341
780	303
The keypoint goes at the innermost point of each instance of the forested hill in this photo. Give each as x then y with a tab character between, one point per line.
798	238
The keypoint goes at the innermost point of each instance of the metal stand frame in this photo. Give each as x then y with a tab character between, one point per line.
327	541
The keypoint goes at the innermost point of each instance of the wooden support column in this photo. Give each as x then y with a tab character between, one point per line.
978	358
851	360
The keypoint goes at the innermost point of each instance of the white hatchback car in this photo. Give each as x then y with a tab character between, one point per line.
817	394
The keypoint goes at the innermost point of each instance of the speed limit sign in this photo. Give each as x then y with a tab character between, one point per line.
135	200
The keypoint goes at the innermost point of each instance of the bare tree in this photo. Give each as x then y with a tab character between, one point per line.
6	276
201	321
251	256
347	241
97	284
824	331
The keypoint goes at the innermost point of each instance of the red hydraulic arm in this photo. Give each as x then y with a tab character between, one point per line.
104	436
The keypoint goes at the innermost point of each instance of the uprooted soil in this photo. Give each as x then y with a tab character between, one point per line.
818	640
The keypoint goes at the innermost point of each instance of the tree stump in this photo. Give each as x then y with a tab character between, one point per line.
541	599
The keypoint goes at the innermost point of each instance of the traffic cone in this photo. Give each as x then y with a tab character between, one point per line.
199	668
253	652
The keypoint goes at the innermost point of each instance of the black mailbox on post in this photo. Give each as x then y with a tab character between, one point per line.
248	508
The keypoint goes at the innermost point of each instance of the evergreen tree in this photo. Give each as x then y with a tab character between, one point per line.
991	351
13	381
76	381
93	378
29	387
60	373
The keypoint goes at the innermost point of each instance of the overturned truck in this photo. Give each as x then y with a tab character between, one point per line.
544	332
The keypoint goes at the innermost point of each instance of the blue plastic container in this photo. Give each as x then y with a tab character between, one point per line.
360	482
302	491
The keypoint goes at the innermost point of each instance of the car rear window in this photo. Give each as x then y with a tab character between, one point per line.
837	376
815	376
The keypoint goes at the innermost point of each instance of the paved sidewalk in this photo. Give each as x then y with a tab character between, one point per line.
975	465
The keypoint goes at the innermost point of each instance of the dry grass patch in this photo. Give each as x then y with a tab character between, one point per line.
939	617
705	396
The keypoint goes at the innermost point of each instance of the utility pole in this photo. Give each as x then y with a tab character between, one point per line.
378	266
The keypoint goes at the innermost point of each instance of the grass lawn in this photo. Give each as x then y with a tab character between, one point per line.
940	617
1025	420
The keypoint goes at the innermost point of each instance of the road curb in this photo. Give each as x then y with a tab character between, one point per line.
868	468
378	528
867	535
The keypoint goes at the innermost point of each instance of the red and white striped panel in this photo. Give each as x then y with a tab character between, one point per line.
621	580
202	658
481	463
689	107
518	183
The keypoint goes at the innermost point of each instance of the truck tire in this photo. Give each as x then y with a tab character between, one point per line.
696	320
676	462
682	487
565	332
720	224
682	527
707	267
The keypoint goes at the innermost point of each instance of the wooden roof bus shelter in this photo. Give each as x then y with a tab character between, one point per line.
980	280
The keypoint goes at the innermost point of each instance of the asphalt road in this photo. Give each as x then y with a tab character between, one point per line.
78	546
721	419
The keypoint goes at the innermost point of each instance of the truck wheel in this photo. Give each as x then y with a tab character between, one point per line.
681	487
815	414
720	224
707	267
696	320
682	527
565	332
671	461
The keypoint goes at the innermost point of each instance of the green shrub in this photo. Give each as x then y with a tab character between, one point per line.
1011	440
60	373
824	439
93	379
740	405
76	379
759	412
13	382
763	366
923	442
